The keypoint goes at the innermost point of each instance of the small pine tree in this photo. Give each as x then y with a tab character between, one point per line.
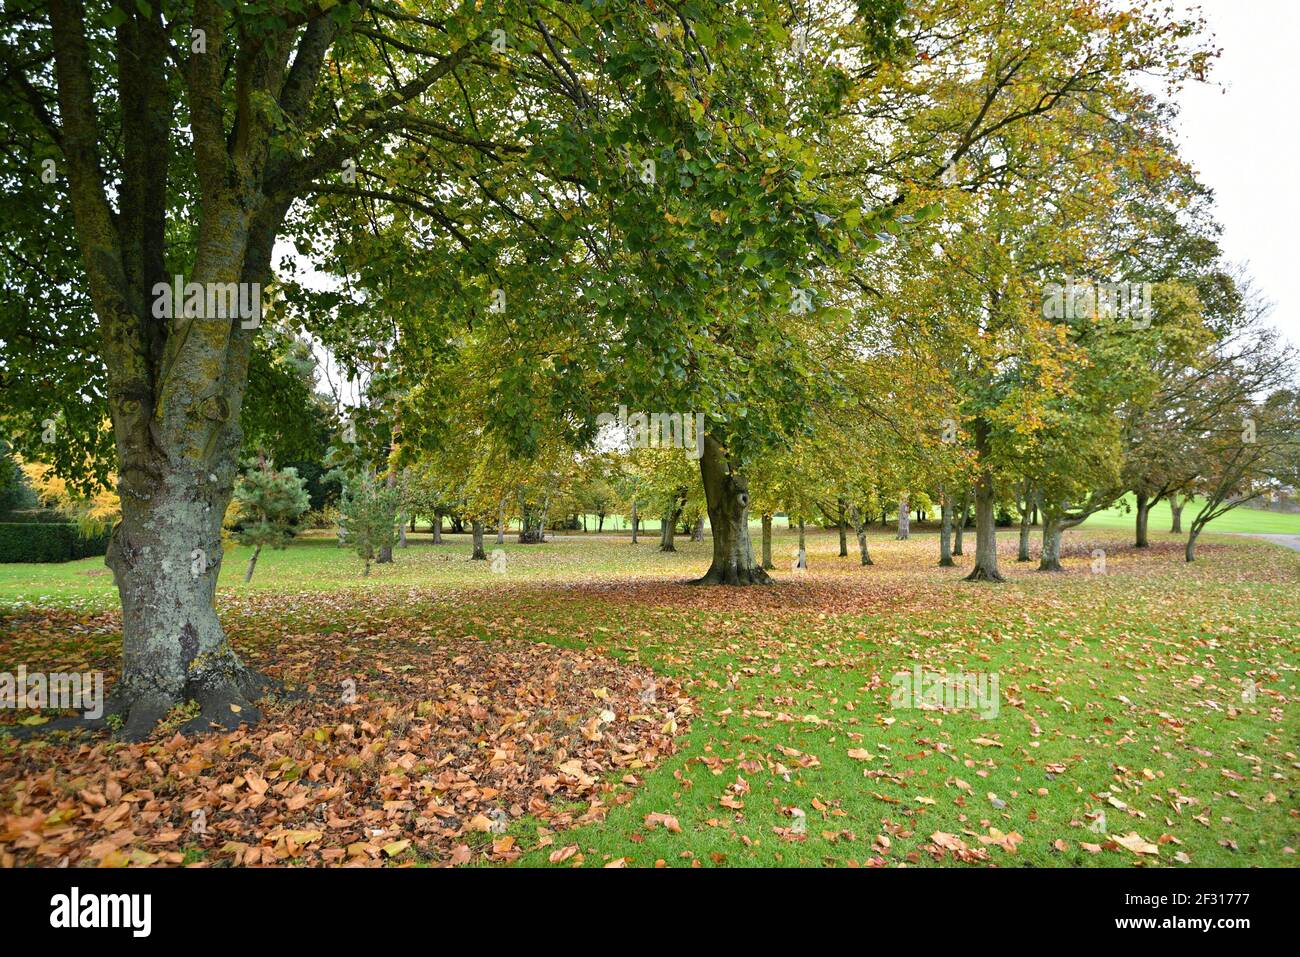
368	516
270	501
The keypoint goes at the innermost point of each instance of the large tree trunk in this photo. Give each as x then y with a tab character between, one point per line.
166	555
767	542
727	496
667	529
437	528
479	555
945	532
1050	559
1176	510
986	545
844	543
1143	508
697	534
904	520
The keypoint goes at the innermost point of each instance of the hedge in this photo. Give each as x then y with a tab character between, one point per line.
48	542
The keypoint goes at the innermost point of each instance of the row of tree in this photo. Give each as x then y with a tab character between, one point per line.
827	226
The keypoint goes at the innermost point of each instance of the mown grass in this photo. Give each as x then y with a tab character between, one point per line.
1118	692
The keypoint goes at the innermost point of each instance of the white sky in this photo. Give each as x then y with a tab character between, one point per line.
1242	133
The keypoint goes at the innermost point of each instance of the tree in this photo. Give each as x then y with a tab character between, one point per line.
368	520
270	500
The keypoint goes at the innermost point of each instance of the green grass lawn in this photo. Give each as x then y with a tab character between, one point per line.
1119	693
1248	520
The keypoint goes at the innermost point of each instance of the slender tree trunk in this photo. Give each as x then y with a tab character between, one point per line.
636	521
767	541
1176	510
801	561
601	526
945	532
1023	554
437	528
1143	507
252	563
386	551
401	535
479	555
541	521
859	520
501	522
963	515
986	545
726	493
844	543
1189	553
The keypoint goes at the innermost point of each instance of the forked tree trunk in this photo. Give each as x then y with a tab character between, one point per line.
986	544
945	533
726	494
479	554
1176	510
860	528
844	544
1050	559
1143	508
1189	553
767	541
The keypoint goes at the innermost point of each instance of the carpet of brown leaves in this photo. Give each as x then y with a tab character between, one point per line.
448	748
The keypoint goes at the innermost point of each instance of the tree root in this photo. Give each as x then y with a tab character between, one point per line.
733	575
980	574
225	701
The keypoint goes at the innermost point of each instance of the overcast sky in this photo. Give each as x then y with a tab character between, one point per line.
1242	133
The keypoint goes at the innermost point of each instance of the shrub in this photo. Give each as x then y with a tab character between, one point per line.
45	541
